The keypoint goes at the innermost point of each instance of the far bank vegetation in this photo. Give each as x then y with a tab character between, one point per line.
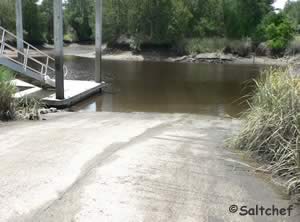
183	26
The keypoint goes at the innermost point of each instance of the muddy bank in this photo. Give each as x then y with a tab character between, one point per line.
87	51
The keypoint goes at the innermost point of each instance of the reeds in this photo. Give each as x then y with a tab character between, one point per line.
271	129
12	108
7	91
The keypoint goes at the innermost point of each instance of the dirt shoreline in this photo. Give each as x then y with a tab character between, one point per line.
87	51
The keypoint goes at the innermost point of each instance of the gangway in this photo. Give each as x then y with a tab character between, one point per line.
26	61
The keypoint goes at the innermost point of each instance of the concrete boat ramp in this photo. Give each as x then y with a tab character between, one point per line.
75	91
128	167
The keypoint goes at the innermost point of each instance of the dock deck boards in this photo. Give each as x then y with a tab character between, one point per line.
75	91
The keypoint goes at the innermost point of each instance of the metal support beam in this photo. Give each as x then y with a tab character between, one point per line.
19	25
98	60
59	52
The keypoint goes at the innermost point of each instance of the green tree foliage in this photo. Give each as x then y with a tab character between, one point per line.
157	21
292	10
34	23
77	16
277	30
207	18
243	17
7	14
46	9
32	17
171	19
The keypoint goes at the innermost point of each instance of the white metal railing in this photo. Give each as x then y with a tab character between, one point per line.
27	61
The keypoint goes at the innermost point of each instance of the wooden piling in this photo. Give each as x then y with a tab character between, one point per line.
19	25
98	39
59	53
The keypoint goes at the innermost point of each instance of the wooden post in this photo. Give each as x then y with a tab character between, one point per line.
59	50
98	33
19	25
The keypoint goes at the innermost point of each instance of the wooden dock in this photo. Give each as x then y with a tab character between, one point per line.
75	91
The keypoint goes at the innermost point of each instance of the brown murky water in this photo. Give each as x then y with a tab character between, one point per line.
166	87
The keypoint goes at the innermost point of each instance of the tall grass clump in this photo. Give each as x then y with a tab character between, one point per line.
271	126
12	108
7	91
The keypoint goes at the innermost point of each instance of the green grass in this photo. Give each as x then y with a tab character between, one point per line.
271	127
11	108
7	91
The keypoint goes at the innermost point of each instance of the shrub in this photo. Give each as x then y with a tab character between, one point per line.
69	38
206	45
293	47
241	47
279	36
263	50
202	45
7	90
271	129
277	30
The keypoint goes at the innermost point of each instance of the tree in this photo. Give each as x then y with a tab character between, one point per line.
152	21
46	9
292	10
77	15
277	30
243	17
207	18
34	23
148	21
7	14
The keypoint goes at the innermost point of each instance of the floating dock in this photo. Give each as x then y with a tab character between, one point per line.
75	91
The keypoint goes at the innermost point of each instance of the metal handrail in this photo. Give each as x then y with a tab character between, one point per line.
26	43
44	67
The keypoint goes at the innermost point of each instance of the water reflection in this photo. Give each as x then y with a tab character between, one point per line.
166	87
